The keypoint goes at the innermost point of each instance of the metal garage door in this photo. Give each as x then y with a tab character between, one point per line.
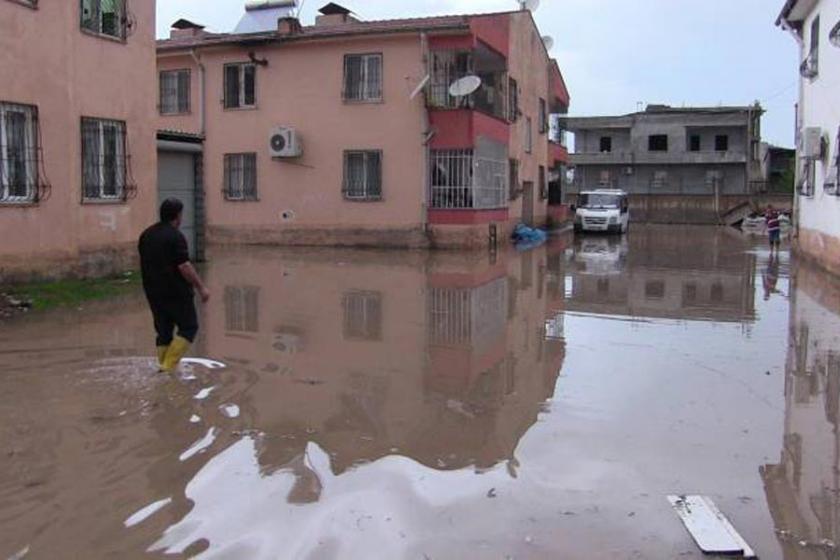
176	179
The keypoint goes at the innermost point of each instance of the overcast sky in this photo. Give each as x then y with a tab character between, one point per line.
617	53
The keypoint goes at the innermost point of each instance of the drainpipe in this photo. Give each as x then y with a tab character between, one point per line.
426	126
202	92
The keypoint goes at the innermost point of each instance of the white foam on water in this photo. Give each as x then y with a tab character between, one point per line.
230	410
195	419
200	446
209	364
146	512
21	554
204	393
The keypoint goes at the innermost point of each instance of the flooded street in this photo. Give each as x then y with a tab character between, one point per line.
436	406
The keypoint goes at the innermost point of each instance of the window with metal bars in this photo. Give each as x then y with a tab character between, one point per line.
363	77
19	163
362	175
240	85
447	67
543	117
363	315
175	92
241	177
104	159
104	17
242	308
513	100
460	180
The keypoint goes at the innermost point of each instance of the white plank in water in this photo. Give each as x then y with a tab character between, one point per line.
711	530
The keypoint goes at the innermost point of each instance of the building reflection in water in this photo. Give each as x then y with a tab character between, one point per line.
651	274
441	358
803	488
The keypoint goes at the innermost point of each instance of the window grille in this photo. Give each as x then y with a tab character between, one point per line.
174	92
363	315
363	77
459	180
240	85
446	67
241	176
105	170
105	17
473	317
543	117
832	177
363	175
807	178
20	173
242	306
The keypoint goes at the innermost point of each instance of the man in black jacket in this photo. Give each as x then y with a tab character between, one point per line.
169	280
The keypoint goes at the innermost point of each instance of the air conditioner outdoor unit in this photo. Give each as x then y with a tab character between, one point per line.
285	143
812	143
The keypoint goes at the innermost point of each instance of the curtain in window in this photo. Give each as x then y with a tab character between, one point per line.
353	70
103	159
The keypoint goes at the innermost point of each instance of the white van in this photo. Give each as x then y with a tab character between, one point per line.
602	210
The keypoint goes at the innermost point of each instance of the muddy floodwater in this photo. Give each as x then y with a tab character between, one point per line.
436	406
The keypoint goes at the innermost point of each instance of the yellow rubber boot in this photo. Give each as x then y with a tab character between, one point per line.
177	350
161	355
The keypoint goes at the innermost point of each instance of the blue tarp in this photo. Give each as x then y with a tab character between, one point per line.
526	238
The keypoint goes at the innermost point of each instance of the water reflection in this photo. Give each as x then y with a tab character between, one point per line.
676	273
803	488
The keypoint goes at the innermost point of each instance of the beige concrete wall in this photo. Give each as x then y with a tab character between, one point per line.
67	73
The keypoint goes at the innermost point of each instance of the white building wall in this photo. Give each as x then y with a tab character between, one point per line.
820	106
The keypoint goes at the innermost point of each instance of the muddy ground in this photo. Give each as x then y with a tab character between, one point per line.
434	406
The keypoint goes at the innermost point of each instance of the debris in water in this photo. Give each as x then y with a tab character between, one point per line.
709	528
195	419
230	410
146	512
200	446
204	393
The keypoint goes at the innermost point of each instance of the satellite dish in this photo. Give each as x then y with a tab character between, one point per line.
465	86
548	41
834	36
530	5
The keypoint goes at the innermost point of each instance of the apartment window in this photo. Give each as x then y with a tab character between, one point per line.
605	179
363	77
529	135
543	183
660	179
174	92
655	289
513	100
241	176
658	143
363	175
104	17
814	54
513	182
721	143
18	152
104	160
694	143
363	315
543	118
606	144
242	305
240	85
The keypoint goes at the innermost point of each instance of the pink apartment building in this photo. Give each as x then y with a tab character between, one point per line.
345	132
77	134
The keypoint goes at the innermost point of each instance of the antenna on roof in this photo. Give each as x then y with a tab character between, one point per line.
530	5
548	41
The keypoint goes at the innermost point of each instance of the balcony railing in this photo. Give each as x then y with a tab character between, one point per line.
460	180
447	67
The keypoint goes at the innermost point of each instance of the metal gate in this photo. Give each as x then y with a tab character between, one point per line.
176	179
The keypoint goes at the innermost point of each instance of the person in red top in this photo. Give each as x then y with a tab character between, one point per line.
774	227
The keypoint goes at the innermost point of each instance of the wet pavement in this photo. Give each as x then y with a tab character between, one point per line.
436	406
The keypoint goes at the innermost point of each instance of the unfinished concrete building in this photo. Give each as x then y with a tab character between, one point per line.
679	165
